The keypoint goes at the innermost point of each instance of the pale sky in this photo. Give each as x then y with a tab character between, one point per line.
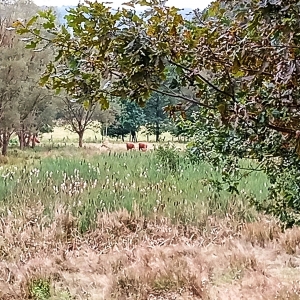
116	3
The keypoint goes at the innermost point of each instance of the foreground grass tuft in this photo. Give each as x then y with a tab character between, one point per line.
39	289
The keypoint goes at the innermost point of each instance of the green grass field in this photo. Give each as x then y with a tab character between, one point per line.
76	224
130	180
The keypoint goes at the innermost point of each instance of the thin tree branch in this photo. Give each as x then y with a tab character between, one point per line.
202	78
182	97
275	127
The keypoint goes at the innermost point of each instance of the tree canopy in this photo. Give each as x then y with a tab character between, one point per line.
157	120
238	59
25	107
128	121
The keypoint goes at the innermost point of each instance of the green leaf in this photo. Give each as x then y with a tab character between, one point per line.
44	79
73	63
45	13
136	19
86	104
48	25
57	90
36	31
22	30
103	101
59	55
144	3
236	66
239	74
64	30
32	21
32	45
222	108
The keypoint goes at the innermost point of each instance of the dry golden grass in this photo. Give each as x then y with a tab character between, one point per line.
60	134
130	257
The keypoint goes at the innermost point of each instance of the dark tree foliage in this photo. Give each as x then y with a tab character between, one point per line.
157	119
131	117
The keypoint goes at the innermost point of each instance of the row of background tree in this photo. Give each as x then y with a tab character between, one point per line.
27	109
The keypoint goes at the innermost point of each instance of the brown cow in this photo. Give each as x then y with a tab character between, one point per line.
130	146
143	146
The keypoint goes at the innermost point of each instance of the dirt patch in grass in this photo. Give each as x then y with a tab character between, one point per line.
127	257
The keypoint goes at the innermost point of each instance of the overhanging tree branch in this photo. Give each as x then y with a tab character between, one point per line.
175	95
202	78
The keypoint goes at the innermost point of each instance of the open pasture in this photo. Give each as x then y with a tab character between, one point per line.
62	135
79	225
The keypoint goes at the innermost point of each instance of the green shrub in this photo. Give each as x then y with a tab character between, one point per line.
39	289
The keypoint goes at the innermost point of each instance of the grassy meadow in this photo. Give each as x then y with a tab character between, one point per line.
79	224
63	135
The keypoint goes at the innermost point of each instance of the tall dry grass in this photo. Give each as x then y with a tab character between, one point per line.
129	257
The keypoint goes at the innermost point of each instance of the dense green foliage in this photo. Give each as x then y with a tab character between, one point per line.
129	120
131	117
157	120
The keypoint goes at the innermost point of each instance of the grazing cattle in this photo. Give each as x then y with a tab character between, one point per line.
130	146
143	146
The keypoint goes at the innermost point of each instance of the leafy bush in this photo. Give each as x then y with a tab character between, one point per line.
39	289
168	157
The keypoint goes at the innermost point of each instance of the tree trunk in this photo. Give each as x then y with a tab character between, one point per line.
80	143
27	140
5	141
21	136
123	137
133	136
157	132
21	139
33	140
4	148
